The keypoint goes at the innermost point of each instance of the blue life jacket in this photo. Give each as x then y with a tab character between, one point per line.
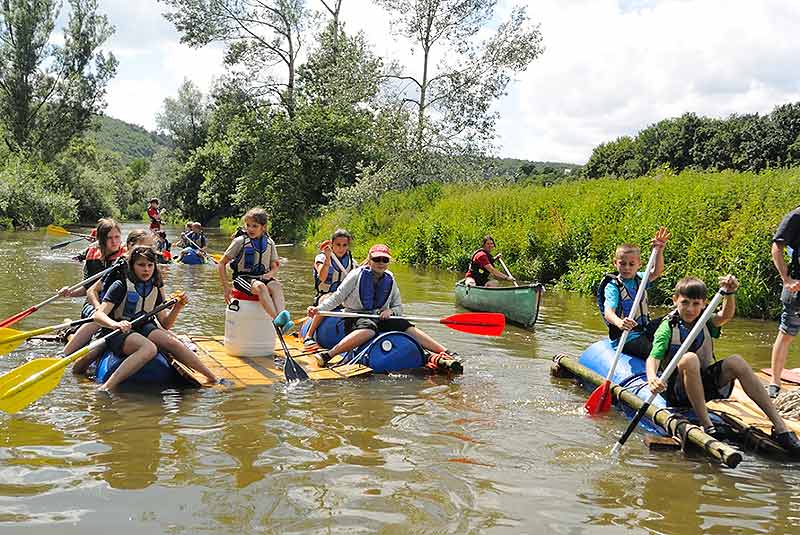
140	298
374	294
625	305
246	262
196	237
335	275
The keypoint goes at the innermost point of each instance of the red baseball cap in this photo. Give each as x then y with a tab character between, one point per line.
379	249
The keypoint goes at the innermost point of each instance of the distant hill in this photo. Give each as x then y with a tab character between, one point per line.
511	166
130	141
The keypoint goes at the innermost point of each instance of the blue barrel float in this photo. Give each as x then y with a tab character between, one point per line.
192	257
386	352
156	372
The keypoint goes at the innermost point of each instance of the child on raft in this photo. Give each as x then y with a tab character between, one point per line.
99	257
254	260
138	294
699	376
331	267
617	292
481	266
163	246
95	294
371	289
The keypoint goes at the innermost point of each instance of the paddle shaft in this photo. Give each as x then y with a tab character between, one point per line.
44	330
640	292
505	267
290	366
64	362
199	250
27	312
698	327
376	316
65	243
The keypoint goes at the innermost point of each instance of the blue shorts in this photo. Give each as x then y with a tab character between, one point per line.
790	317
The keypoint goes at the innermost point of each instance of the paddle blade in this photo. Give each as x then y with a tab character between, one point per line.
11	320
292	371
6	345
215	257
483	323
55	230
21	399
600	400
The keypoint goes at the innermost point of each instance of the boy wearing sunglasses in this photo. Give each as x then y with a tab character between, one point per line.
372	289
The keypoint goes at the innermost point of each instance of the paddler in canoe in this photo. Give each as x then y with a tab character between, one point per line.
195	240
481	266
140	292
254	260
331	266
372	289
616	292
700	377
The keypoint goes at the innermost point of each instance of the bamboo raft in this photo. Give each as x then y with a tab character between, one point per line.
750	424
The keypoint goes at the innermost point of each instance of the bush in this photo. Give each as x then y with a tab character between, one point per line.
28	195
566	233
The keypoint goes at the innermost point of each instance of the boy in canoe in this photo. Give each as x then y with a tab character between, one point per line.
371	289
617	292
699	376
481	266
254	260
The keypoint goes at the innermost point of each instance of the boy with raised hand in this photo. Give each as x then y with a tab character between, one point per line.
699	376
617	292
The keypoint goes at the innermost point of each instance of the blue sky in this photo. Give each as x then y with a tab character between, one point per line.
610	68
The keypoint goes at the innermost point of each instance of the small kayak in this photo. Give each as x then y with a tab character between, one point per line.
191	256
519	304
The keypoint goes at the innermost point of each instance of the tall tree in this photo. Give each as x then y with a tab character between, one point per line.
48	93
258	34
470	73
185	118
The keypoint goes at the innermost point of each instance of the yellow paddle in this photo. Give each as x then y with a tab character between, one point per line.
23	385
55	230
11	339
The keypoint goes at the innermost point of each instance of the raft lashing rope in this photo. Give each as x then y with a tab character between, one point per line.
788	403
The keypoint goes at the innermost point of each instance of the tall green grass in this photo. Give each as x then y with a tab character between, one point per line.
566	234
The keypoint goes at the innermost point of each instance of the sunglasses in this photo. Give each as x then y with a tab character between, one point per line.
380	259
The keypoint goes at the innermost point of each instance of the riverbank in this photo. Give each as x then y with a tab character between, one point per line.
566	234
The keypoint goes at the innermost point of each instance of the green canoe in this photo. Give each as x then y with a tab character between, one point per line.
520	304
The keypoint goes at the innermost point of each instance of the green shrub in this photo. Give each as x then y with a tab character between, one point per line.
566	233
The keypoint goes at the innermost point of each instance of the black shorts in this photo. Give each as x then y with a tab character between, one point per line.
713	388
116	342
638	347
379	326
244	283
87	311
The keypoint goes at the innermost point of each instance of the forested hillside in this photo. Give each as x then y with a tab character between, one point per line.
130	141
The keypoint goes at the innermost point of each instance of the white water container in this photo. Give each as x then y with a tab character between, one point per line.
248	330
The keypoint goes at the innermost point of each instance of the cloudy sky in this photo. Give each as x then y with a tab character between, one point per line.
610	68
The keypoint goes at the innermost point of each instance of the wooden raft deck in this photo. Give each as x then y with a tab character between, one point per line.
242	372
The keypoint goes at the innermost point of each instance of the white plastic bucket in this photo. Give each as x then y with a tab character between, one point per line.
248	330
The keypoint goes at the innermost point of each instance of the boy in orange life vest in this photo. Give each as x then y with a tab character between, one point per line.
700	377
155	215
481	266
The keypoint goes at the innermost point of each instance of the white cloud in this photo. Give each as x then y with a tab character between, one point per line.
611	67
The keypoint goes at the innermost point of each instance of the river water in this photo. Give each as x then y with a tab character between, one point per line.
504	448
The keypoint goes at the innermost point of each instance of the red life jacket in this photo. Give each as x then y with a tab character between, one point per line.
95	263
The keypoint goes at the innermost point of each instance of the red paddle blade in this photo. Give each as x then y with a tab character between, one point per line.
484	323
600	400
17	317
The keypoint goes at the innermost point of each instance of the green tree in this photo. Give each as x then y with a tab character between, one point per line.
472	73
48	93
185	118
258	34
